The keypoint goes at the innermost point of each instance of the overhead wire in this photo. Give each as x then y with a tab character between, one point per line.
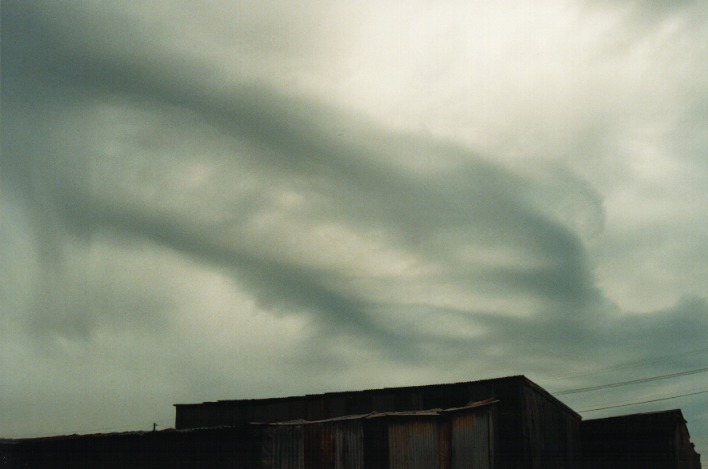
644	402
632	364
627	383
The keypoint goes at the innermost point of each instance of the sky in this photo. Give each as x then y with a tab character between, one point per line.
224	200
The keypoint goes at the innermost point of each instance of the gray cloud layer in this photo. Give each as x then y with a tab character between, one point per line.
179	227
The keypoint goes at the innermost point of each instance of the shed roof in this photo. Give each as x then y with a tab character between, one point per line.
520	379
357	392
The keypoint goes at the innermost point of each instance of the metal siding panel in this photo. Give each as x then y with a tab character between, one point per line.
551	432
415	402
480	441
267	449
319	446
376	445
326	445
461	444
336	407
398	447
413	445
287	447
444	445
491	424
470	441
384	403
316	410
349	446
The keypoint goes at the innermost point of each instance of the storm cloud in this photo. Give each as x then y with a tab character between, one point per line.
228	201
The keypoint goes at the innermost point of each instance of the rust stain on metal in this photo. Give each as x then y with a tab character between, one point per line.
414	444
443	439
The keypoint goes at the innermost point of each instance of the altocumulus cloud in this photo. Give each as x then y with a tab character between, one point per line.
240	201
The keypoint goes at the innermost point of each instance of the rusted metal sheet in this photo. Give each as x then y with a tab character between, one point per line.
349	445
413	444
335	444
319	446
471	442
444	445
433	439
284	448
551	437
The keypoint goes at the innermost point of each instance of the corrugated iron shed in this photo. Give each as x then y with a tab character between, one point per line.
535	429
445	439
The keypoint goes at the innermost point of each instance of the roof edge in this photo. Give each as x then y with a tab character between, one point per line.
551	397
361	391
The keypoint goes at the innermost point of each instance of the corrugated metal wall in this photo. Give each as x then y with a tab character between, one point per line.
454	439
349	444
327	445
471	441
414	444
552	437
284	448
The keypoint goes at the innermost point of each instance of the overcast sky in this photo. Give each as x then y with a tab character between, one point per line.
220	200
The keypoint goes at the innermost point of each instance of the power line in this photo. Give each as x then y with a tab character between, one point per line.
634	381
632	364
645	402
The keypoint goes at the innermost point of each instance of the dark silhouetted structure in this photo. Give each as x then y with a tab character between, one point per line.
533	429
449	438
655	440
503	423
213	448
